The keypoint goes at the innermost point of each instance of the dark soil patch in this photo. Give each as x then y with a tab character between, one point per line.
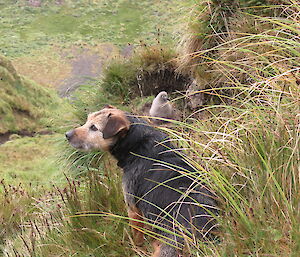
151	83
86	66
4	137
23	133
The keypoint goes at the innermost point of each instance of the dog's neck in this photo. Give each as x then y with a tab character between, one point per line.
141	139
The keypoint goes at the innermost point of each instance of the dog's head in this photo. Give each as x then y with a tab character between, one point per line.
101	130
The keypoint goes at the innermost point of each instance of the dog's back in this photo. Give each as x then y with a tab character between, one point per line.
161	184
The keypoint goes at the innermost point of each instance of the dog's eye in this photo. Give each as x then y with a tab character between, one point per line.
93	127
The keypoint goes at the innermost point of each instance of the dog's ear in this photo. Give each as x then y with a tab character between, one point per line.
115	124
108	106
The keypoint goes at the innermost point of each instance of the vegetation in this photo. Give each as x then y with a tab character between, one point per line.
84	22
24	105
30	160
244	56
131	78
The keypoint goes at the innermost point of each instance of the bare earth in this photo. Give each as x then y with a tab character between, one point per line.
67	68
86	66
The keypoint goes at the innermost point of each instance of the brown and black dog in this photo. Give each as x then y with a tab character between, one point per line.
160	187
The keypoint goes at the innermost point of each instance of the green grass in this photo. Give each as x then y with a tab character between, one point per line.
30	160
246	148
250	155
51	214
130	79
24	105
117	22
28	170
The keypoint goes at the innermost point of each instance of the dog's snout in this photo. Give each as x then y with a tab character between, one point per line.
69	134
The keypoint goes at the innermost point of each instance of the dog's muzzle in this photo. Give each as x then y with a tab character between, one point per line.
70	134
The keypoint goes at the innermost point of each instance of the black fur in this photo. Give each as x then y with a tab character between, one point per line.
148	160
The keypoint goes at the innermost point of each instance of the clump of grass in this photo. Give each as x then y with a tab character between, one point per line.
252	155
96	193
14	202
118	79
251	48
248	152
150	70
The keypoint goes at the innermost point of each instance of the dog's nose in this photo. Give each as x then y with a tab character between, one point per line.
69	134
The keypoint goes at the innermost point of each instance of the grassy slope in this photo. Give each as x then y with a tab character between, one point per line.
42	35
248	151
39	36
30	160
24	105
118	22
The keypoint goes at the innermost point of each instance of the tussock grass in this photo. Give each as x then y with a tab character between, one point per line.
250	157
250	148
14	202
150	70
250	48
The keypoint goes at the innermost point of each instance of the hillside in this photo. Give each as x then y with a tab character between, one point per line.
24	105
232	68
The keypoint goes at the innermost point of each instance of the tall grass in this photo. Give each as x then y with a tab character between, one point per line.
250	48
53	228
250	148
250	155
246	149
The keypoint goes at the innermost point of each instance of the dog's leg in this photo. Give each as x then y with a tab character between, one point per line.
135	215
156	245
163	250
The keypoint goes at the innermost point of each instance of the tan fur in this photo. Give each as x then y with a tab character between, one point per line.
163	250
86	139
156	246
135	216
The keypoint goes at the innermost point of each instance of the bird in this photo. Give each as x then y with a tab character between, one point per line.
161	108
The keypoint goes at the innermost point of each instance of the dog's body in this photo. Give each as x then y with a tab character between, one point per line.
159	185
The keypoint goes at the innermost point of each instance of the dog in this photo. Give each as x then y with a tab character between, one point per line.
160	187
